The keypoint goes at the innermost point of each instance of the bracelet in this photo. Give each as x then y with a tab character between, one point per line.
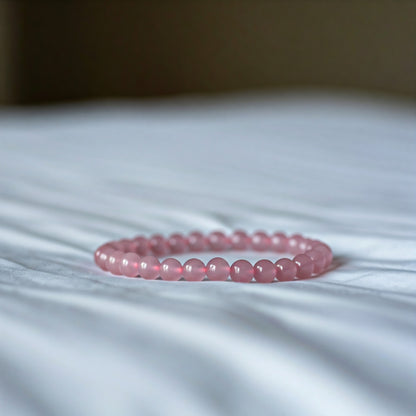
138	257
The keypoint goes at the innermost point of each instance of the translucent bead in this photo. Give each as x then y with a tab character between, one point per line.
100	255
149	267
278	243
177	243
322	247
218	241
170	269
129	265
285	270
240	240
293	243
158	245
318	259
196	242
309	243
113	262
218	269
303	245
194	270
123	245
241	271
104	256
260	241
305	266
140	246
264	271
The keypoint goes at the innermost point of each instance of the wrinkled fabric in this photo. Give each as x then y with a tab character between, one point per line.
77	341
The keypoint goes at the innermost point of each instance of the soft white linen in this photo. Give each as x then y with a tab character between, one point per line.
76	341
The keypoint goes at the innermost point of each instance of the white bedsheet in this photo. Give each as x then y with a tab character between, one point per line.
76	341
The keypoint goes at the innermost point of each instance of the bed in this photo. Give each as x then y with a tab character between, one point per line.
78	341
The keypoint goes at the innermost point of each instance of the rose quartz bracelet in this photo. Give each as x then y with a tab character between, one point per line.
139	257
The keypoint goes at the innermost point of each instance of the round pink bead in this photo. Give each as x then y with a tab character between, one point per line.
129	265
104	252
113	262
121	245
303	245
196	241
260	241
327	252
264	271
293	243
177	243
305	266
318	259
117	245
285	270
170	269
314	243
218	269
194	270
158	245
279	243
97	255
240	240
149	267
309	243
112	244
241	271
218	241
140	246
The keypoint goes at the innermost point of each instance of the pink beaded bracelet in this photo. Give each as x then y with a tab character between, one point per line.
139	257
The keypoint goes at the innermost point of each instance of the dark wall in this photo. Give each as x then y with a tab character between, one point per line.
80	49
